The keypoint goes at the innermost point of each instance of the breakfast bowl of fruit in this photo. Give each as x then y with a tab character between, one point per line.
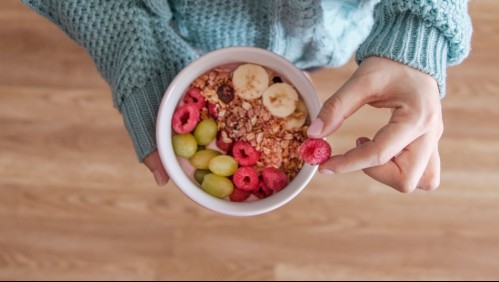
232	131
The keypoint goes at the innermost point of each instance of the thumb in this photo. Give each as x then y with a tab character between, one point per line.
347	100
153	162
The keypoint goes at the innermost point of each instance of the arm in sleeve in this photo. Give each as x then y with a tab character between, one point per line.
135	49
425	35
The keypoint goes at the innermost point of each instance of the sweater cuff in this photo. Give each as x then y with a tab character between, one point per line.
139	109
407	39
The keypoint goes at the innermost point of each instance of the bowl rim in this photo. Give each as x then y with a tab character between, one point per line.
177	88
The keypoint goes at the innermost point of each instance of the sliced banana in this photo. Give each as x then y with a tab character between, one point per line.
298	118
280	99
250	81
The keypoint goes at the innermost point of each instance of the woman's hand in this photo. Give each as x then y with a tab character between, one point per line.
404	153
153	162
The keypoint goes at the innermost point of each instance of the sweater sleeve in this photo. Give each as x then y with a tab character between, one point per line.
426	35
135	50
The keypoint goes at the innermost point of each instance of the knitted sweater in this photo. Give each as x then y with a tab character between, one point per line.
139	46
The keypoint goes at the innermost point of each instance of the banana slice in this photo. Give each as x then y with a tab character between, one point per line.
298	118
250	81
280	99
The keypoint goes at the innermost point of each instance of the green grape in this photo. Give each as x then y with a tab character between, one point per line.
199	175
201	159
184	145
223	165
216	185
206	131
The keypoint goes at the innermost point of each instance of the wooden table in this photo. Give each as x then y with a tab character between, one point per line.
75	204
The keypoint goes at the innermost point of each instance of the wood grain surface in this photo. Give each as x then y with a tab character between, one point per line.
75	203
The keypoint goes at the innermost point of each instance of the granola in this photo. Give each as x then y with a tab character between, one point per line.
249	120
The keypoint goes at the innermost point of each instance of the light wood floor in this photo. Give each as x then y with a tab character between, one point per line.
75	204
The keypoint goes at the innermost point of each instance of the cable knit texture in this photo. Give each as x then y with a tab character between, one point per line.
426	35
139	46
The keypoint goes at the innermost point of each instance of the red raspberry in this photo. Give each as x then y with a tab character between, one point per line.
195	97
246	178
227	147
213	110
262	191
239	195
274	178
245	154
315	151
185	118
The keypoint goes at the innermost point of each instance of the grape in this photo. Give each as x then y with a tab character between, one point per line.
223	165
199	175
201	159
216	185
206	131
184	145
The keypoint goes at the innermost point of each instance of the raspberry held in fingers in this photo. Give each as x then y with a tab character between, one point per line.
315	151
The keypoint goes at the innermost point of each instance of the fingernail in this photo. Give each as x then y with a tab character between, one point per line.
326	171
361	140
316	127
160	180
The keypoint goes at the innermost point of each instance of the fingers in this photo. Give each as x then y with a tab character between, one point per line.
335	110
387	143
153	162
413	165
405	170
431	176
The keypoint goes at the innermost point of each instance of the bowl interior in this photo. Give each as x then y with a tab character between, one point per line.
177	89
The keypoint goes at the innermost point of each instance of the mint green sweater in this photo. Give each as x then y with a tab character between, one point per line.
139	46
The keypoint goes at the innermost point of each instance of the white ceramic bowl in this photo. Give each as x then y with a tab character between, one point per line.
177	89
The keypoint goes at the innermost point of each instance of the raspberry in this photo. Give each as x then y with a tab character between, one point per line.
246	178
274	178
239	195
245	154
225	93
262	191
185	118
213	110
195	97
315	151
227	147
